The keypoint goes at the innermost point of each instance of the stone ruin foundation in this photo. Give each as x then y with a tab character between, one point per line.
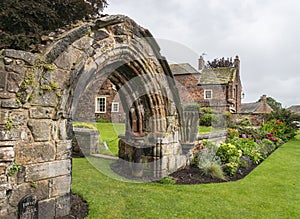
38	94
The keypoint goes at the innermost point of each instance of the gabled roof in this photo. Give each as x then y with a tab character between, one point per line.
294	109
250	107
222	75
183	68
256	108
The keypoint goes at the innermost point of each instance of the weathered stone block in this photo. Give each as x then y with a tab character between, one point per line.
63	149
83	43
12	103
3	167
69	58
3	80
19	118
60	186
63	205
59	76
3	180
14	81
10	135
41	113
66	40
172	164
88	140
6	95
3	117
19	69
47	99
47	209
18	54
40	129
35	153
39	189
46	170
99	34
62	129
7	154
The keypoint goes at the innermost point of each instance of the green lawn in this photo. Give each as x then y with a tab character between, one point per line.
272	190
109	133
207	129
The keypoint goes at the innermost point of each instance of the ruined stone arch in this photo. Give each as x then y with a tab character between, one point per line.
39	94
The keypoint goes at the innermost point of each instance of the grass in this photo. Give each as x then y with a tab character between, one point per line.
109	133
207	129
272	190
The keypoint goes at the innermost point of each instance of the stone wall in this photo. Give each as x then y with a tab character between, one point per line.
34	144
39	94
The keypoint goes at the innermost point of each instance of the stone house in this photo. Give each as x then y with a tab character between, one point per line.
255	111
217	87
100	101
294	109
261	107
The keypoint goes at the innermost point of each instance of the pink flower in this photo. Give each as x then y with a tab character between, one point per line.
244	136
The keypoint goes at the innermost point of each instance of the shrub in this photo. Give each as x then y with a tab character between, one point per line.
214	171
208	119
229	155
231	168
167	180
250	149
208	162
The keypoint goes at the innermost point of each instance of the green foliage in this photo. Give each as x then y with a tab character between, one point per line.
167	180
229	153
23	22
84	125
101	120
230	156
279	129
208	119
15	168
9	124
214	171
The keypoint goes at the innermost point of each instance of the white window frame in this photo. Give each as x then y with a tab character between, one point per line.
96	104
113	108
211	94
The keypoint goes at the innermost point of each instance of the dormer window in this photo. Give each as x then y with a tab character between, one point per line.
208	94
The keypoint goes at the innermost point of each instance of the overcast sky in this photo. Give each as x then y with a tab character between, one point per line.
264	33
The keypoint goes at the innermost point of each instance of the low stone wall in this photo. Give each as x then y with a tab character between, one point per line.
87	140
155	159
217	137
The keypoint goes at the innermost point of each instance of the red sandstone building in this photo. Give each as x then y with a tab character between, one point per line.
216	85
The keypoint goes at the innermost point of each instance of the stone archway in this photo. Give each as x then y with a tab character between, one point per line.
39	94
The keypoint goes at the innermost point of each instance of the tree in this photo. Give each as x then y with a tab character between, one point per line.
23	22
272	103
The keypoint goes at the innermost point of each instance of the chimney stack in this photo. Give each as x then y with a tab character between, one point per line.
264	99
201	63
237	62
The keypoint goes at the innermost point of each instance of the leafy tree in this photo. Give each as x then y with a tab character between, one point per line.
23	22
272	103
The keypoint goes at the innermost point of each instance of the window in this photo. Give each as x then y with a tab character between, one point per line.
100	105
207	94
115	107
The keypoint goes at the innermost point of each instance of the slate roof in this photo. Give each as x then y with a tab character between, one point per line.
183	68
222	75
294	109
250	107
